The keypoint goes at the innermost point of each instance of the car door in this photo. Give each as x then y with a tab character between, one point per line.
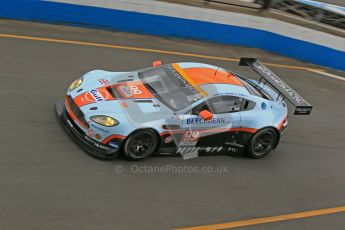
212	134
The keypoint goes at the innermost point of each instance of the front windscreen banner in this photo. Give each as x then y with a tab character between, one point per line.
285	91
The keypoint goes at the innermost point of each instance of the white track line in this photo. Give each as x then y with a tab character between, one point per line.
328	74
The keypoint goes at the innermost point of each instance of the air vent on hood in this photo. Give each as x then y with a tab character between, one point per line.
143	101
125	80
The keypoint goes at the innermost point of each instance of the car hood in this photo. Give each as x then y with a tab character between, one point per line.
118	94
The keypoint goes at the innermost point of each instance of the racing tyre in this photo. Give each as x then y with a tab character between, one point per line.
262	143
140	145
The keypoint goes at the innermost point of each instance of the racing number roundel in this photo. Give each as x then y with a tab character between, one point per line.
133	89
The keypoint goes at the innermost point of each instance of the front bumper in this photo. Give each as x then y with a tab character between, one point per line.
93	147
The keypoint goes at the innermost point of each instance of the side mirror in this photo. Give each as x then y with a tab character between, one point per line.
206	115
156	63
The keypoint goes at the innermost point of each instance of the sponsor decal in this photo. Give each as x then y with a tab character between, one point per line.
87	98
97	95
188	152
232	149
99	128
279	82
96	144
230	94
90	132
303	110
214	149
185	84
197	120
100	146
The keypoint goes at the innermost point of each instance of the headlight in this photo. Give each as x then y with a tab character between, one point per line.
104	120
75	84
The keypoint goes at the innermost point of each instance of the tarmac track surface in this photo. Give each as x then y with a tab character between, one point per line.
48	182
334	2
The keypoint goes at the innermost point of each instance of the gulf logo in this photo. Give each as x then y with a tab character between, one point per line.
97	95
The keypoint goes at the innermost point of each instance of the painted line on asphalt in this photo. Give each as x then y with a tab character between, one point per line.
74	42
249	222
327	74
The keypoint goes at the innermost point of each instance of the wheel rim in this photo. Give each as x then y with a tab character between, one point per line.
141	145
263	143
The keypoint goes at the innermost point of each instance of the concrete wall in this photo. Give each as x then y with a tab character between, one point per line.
165	19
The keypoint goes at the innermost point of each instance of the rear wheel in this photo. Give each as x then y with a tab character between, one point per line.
140	145
262	143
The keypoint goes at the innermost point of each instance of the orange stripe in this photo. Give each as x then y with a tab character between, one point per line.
248	130
109	138
211	76
189	79
84	99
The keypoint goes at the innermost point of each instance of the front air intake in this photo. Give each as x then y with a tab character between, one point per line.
76	111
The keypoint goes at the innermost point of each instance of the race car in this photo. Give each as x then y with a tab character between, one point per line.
181	108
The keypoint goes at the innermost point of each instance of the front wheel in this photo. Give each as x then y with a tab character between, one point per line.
140	145
262	143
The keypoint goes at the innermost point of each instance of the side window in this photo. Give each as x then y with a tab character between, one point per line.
220	104
248	105
202	106
226	104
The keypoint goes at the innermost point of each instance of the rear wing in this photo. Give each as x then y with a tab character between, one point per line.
284	91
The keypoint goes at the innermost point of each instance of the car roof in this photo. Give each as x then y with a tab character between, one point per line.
212	79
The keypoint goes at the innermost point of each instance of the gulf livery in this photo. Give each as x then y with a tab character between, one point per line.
178	108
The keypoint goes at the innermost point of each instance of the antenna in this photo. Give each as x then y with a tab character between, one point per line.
215	73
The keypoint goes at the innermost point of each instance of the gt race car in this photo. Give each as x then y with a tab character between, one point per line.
180	108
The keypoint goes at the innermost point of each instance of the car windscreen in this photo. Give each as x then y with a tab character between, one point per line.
167	85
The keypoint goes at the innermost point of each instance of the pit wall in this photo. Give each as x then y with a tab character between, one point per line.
173	20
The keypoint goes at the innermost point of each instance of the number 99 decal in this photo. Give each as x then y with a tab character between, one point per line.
134	89
190	137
